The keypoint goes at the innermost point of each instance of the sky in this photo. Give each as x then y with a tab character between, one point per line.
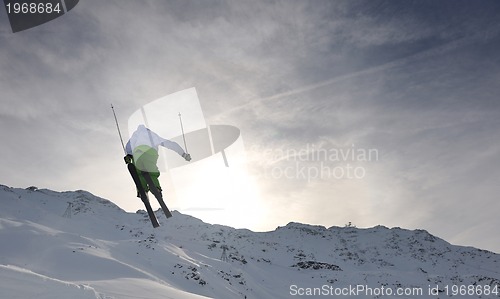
361	112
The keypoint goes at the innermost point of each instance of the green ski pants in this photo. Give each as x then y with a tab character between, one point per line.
145	159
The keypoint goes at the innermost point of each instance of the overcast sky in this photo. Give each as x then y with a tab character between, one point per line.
415	83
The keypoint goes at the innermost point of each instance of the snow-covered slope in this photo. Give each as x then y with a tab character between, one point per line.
100	251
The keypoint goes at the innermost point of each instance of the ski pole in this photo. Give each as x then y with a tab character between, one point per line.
118	127
183	137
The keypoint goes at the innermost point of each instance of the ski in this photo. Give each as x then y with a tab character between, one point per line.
143	195
157	194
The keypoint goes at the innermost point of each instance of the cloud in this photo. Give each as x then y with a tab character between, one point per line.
415	81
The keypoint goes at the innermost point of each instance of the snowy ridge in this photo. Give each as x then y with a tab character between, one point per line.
103	252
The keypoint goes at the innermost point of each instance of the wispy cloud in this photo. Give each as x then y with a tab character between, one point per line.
418	82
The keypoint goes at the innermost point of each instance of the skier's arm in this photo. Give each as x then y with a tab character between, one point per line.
128	148
172	146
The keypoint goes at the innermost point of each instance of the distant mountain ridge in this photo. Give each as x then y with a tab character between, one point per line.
100	251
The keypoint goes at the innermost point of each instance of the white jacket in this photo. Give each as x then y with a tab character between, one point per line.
144	136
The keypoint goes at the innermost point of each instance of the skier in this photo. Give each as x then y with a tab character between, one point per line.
142	151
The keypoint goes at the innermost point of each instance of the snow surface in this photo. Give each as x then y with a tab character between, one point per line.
101	251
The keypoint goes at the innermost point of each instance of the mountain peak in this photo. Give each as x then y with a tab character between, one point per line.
111	252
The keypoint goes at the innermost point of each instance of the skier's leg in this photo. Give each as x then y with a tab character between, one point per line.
144	183
154	177
148	162
145	159
153	183
135	175
157	193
